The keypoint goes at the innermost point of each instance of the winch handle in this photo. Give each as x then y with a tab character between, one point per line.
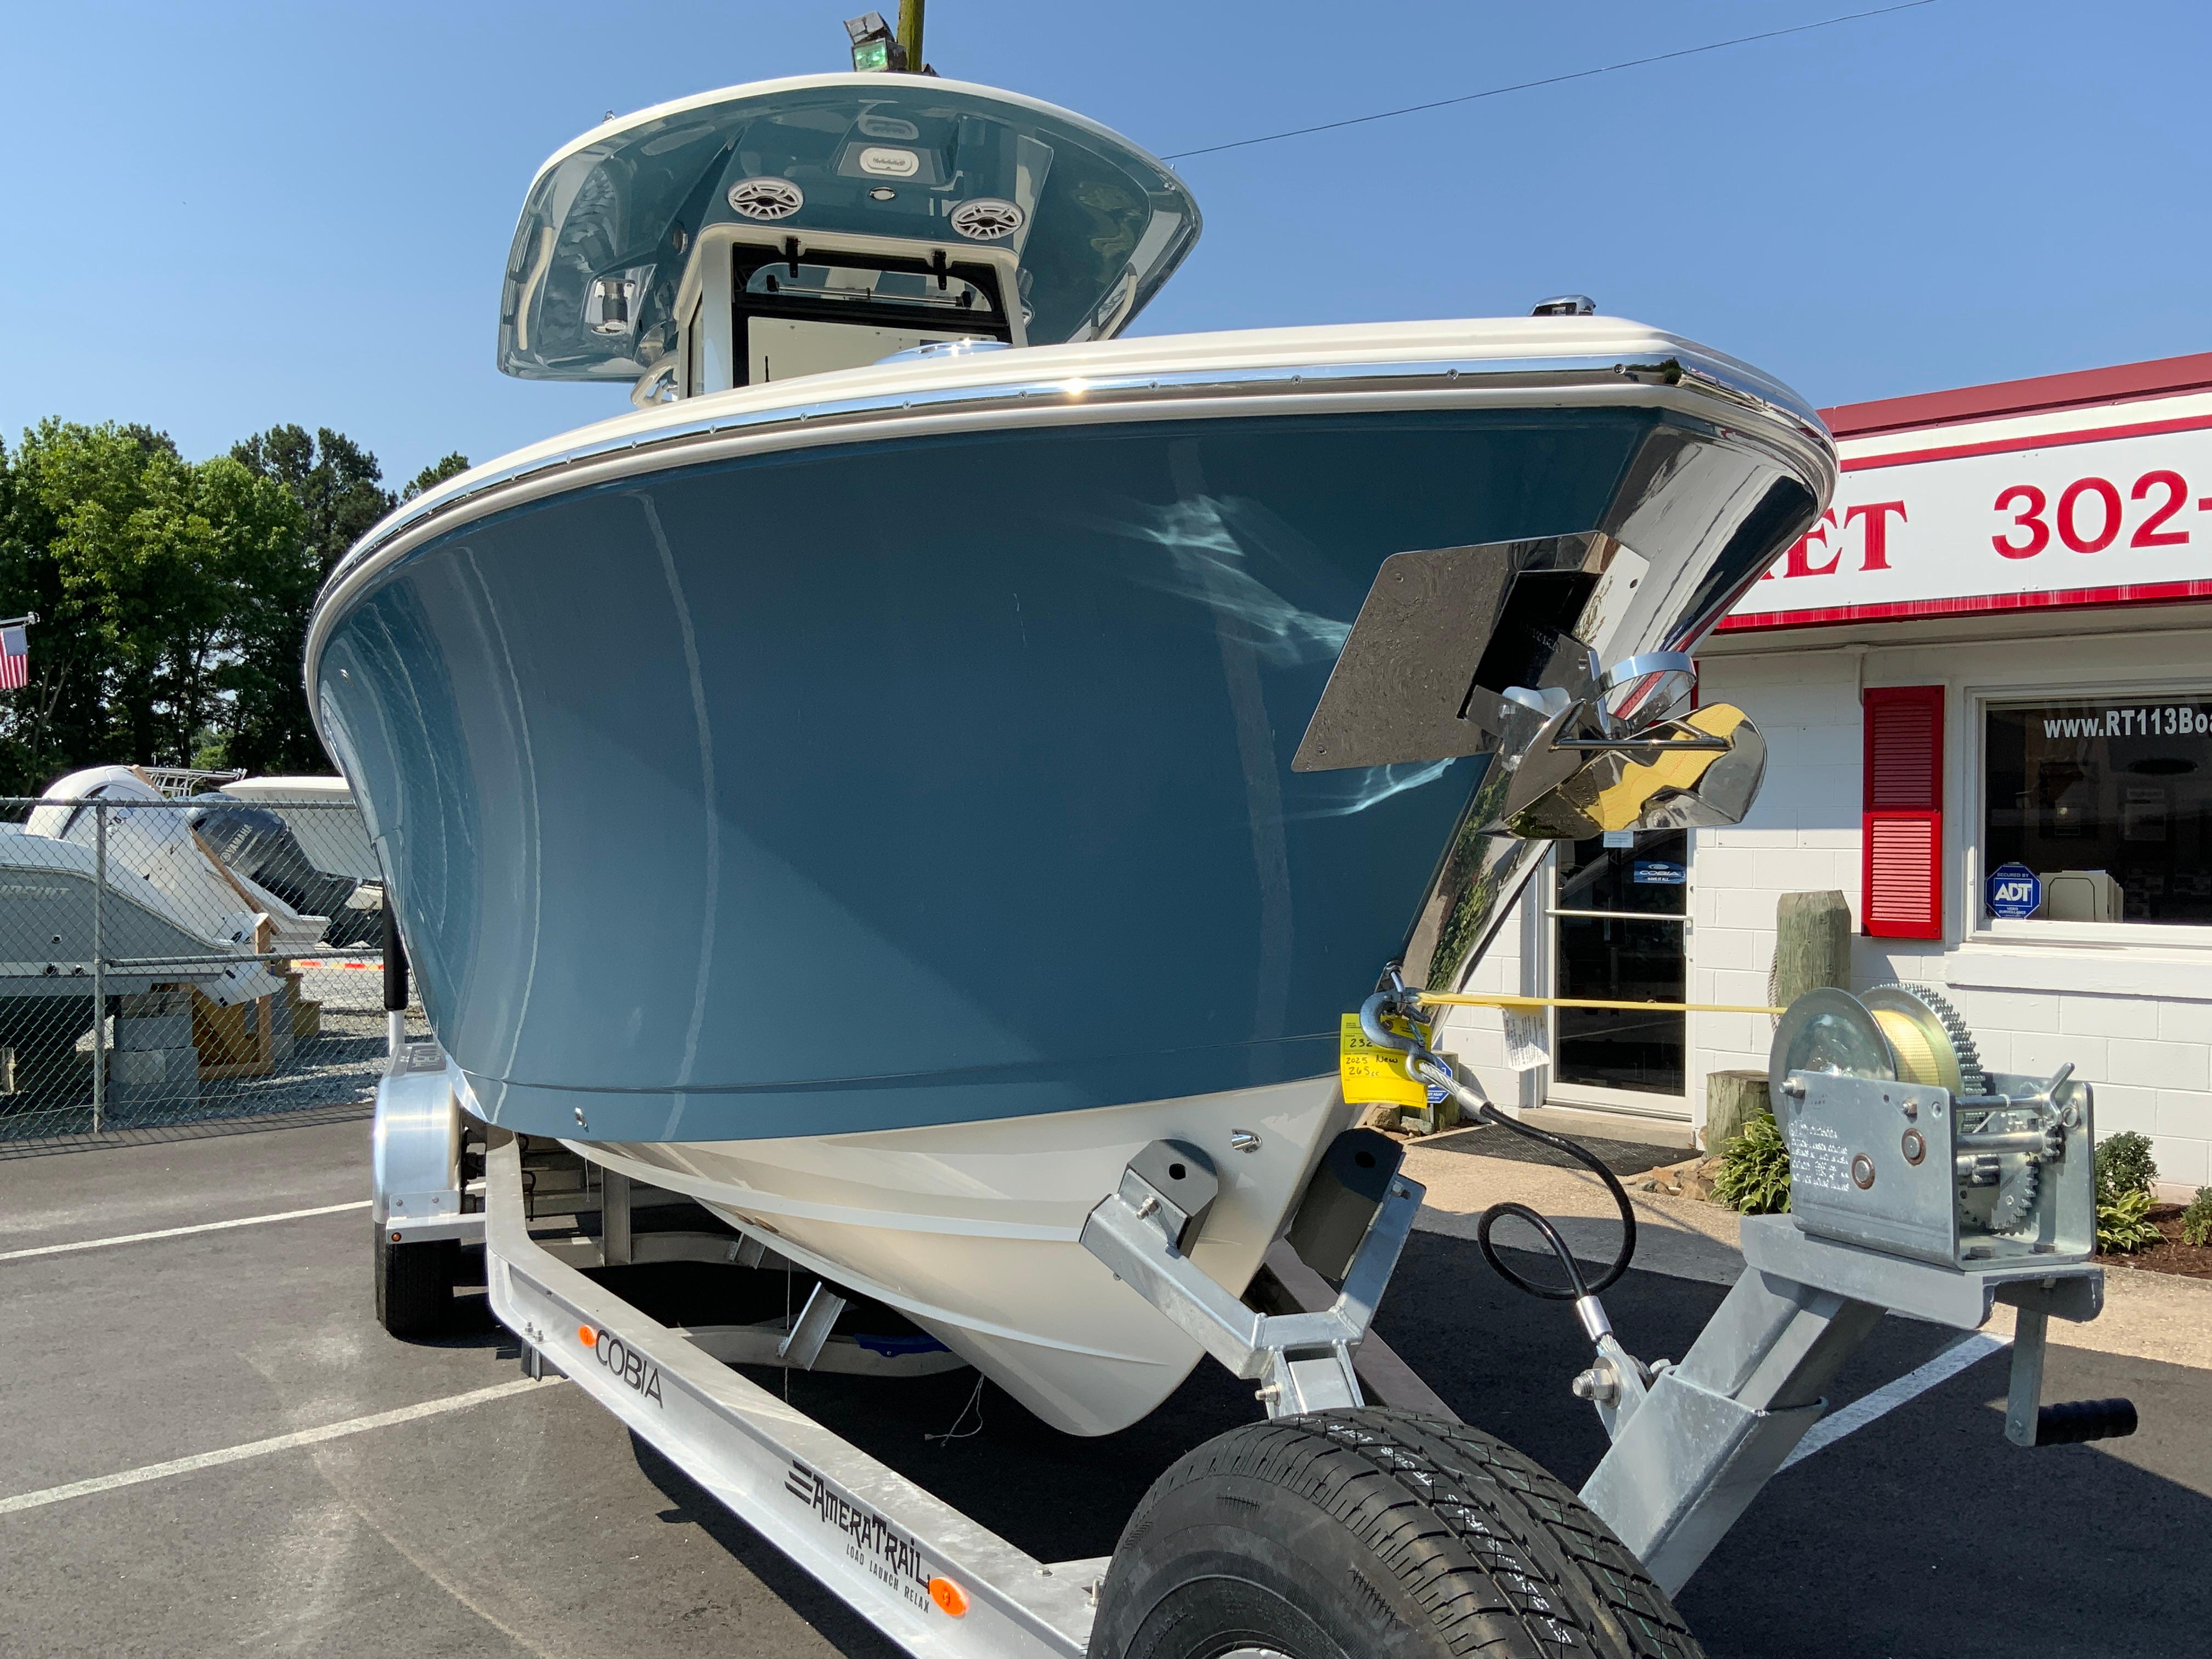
2028	1422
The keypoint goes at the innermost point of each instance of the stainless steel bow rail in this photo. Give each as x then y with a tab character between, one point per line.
1935	1196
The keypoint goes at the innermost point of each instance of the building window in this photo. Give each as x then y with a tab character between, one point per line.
2109	801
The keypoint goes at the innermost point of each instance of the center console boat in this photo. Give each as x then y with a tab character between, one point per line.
937	746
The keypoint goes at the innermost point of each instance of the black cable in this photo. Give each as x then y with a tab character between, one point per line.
1550	80
1433	1068
1576	1288
1581	1154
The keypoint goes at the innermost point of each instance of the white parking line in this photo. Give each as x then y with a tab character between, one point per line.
32	1500
1862	1411
178	1232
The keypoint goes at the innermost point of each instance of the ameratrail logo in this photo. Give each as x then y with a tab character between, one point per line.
889	1554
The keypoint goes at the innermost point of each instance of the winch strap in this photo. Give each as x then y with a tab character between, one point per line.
1502	1000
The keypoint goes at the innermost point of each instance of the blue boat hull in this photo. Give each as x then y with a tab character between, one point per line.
882	785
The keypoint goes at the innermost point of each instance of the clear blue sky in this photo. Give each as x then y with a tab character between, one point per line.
222	217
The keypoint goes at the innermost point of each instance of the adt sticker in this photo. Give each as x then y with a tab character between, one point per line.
1654	872
2015	891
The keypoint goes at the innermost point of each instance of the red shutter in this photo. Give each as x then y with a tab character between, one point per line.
1901	875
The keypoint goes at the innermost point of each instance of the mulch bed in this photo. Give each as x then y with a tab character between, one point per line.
1629	1158
2173	1256
1623	1157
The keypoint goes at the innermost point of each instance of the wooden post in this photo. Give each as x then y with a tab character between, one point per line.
1812	945
264	1039
1732	1100
1812	949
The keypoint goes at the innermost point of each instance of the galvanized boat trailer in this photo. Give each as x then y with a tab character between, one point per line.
1934	1199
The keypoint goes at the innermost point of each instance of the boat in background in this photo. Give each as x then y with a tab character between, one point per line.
159	904
47	900
321	813
155	856
878	798
302	839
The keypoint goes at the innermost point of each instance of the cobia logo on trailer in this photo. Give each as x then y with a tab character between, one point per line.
624	1361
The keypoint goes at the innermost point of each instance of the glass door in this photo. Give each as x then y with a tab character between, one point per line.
1619	912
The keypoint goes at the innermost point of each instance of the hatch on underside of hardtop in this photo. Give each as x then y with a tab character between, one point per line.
907	208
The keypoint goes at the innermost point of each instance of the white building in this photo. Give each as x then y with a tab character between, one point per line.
1996	650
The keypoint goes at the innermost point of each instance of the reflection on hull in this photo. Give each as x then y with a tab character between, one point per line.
978	806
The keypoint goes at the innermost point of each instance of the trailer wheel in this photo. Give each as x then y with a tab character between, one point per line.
414	1285
1347	1533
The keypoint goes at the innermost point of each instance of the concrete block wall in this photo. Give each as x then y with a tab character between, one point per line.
1802	836
151	1068
2134	1018
1476	1036
2149	1060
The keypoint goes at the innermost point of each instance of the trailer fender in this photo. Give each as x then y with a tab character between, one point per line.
415	1143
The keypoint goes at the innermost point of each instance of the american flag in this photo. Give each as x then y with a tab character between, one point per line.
14	658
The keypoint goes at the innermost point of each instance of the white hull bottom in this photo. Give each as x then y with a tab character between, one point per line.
971	1230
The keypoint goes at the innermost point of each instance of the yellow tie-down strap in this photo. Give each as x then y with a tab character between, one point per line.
1524	1005
1377	1076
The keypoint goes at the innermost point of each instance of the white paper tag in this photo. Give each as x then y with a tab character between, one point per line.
1527	1039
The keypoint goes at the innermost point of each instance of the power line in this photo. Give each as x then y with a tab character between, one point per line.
1551	79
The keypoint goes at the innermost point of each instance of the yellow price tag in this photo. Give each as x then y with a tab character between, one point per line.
1374	1076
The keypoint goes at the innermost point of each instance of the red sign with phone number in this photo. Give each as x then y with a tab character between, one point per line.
2113	515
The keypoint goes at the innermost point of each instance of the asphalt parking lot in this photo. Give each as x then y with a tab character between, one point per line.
528	1523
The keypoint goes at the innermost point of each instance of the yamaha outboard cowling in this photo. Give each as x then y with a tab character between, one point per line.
259	845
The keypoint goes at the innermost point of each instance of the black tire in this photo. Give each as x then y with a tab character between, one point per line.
1348	1534
414	1286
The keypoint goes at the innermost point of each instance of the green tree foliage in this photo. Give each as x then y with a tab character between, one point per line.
173	596
338	488
447	466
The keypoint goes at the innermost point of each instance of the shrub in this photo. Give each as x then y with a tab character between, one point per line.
2124	1163
2123	1223
1754	1175
2197	1219
2125	1171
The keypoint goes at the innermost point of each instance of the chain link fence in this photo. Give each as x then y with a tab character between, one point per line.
173	960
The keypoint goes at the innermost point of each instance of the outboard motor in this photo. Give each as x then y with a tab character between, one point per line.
259	845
